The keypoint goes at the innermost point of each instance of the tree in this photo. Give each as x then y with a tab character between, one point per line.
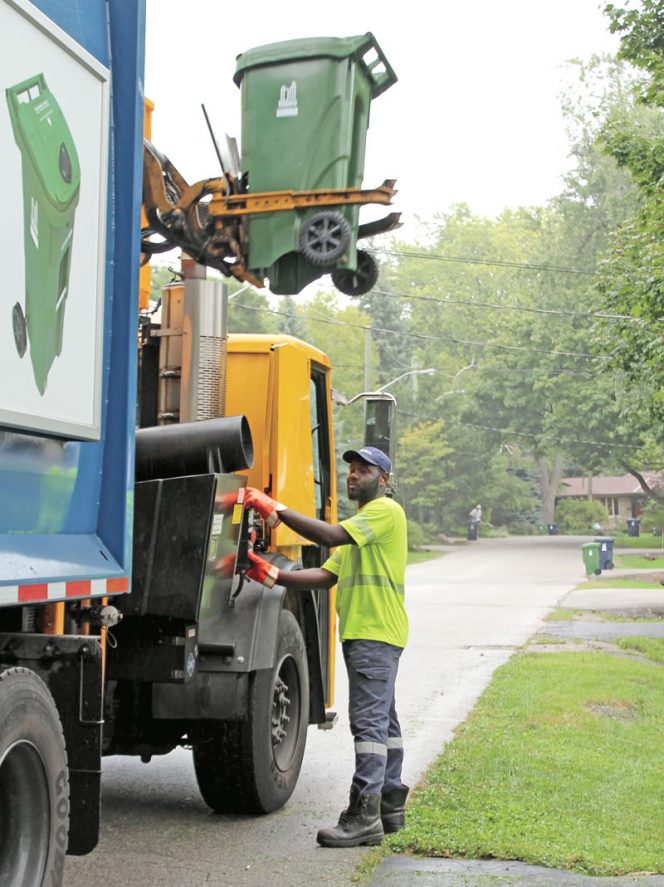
423	481
160	276
249	312
632	279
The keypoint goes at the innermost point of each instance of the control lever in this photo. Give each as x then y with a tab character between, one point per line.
242	562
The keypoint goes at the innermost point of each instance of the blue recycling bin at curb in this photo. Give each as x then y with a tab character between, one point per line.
633	526
472	531
552	529
605	552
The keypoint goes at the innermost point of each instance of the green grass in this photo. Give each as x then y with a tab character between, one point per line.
561	615
637	561
653	648
619	583
608	616
419	557
559	765
645	541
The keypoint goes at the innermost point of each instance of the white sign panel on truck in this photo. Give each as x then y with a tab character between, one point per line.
54	127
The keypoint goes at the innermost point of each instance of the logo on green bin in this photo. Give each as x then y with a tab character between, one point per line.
287	104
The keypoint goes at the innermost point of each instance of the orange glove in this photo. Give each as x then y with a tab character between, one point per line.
266	507
262	571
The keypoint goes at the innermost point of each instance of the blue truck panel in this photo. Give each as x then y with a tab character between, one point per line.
67	505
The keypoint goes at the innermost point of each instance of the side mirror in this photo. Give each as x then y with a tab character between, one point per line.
380	413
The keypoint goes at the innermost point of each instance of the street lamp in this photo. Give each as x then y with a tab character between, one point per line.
427	372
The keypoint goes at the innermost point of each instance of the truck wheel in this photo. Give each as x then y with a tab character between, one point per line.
34	785
252	766
325	237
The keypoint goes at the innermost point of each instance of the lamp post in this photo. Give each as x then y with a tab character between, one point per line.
429	371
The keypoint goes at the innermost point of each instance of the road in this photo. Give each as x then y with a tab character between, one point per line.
469	611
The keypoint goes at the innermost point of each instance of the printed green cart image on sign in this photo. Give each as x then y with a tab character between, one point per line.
305	114
51	186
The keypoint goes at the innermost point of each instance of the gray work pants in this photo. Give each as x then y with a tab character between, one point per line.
372	671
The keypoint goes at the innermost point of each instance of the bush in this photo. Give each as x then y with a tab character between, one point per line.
579	515
417	535
521	528
652	517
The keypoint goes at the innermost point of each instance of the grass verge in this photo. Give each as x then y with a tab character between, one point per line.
557	765
647	541
639	562
653	648
617	583
562	615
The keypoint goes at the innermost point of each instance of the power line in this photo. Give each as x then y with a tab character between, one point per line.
560	440
425	337
468	261
473	303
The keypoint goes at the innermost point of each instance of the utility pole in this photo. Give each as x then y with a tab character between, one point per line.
367	361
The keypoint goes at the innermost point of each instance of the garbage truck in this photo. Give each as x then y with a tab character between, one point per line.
127	623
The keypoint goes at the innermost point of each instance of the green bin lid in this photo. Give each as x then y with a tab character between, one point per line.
376	66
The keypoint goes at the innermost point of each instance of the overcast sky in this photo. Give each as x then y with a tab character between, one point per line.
475	116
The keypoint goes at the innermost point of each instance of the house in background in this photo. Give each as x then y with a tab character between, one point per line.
622	497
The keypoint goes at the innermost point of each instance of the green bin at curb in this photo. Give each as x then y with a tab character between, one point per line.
305	115
51	182
590	551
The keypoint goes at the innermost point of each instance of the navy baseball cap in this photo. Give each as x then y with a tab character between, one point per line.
372	455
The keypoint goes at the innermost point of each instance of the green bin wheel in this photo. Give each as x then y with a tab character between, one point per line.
20	330
356	283
324	238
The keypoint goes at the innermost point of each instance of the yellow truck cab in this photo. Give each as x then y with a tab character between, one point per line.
282	385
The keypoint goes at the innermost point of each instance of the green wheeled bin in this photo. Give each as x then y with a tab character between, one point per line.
590	552
305	115
51	185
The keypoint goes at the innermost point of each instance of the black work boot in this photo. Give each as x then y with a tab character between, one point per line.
358	824
392	813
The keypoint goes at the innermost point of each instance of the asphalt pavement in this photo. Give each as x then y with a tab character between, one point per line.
469	611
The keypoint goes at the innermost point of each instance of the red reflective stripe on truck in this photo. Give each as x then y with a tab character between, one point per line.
79	588
43	592
28	593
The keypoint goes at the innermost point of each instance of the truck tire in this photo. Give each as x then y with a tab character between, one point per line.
34	783
252	766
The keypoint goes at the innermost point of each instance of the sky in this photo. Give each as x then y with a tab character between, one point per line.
474	117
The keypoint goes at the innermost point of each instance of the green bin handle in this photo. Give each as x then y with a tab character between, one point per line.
14	92
381	80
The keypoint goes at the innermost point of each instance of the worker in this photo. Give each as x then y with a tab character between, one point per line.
368	568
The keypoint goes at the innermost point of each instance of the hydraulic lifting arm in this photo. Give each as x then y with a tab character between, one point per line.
209	218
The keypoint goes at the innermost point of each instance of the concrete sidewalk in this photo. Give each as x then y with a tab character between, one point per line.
404	871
